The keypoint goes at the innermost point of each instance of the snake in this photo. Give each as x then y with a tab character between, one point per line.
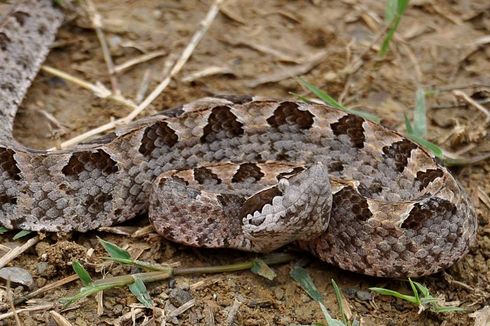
234	171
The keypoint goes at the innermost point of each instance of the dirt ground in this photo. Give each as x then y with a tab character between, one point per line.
253	47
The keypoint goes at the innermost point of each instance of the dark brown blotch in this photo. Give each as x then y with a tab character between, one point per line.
336	166
20	17
421	214
231	204
288	113
349	198
155	135
203	175
428	176
8	163
350	125
7	86
6	199
96	204
220	120
246	171
400	152
88	161
4	41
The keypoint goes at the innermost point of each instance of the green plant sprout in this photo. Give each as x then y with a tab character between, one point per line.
330	101
301	276
158	272
393	15
415	131
421	297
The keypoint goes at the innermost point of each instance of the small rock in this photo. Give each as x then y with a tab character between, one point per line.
279	293
179	296
171	283
41	267
41	281
17	275
364	295
350	293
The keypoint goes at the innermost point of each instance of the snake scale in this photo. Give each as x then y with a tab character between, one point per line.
239	172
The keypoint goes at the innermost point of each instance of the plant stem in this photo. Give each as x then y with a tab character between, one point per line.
269	260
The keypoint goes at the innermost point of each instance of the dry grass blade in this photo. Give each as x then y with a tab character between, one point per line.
286	73
28	309
208	71
186	54
47	288
230	319
469	100
14	253
97	24
98	89
140	59
59	319
189	304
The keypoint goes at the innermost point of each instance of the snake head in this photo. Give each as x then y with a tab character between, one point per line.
297	208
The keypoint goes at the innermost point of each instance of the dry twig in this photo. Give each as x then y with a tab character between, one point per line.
139	59
469	100
12	254
196	38
97	24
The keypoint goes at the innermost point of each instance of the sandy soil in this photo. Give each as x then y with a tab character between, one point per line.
255	46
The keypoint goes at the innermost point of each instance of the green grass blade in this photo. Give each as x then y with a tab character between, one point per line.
330	320
401	6
84	292
114	250
395	294
301	97
327	99
3	230
261	268
21	234
415	291
431	147
408	125
300	275
138	288
82	273
364	115
444	309
340	301
422	289
390	10
420	114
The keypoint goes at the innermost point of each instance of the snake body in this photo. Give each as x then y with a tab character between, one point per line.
239	172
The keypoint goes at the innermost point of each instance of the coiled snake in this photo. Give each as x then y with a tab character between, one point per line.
238	172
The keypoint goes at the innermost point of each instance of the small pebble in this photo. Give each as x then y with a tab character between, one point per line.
364	295
179	296
279	293
41	267
17	275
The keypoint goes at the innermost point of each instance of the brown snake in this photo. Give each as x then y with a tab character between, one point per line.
235	172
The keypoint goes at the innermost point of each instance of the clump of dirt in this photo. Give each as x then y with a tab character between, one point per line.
253	47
